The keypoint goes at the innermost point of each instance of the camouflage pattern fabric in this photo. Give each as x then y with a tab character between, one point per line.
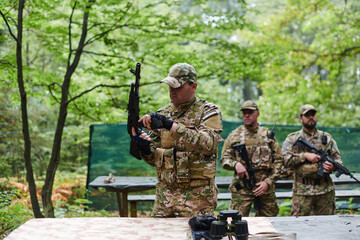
179	74
323	204
310	190
265	157
184	202
185	160
294	158
242	203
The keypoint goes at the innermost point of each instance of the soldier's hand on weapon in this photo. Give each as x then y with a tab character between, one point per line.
328	167
142	141
241	171
146	120
312	157
160	121
261	189
156	121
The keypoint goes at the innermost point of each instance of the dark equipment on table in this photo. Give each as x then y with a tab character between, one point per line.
133	112
200	226
237	228
248	183
211	228
301	142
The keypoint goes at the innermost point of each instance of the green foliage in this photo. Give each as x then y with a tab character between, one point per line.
315	61
12	213
284	208
283	54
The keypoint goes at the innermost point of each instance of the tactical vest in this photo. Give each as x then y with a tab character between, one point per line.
309	169
173	164
258	148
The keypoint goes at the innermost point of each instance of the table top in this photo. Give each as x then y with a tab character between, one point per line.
117	228
331	227
319	227
132	184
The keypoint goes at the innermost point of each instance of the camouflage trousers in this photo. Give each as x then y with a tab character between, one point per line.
184	202
243	202
324	204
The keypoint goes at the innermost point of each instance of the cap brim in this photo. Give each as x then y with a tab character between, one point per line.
308	110
248	108
172	82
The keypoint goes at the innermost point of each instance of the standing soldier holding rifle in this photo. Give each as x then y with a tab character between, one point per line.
183	146
255	155
310	189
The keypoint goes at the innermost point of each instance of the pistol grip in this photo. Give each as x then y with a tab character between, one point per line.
320	172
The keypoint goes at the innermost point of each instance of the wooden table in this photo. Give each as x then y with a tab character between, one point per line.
124	185
305	228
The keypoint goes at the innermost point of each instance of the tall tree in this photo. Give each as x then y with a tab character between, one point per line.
102	40
24	113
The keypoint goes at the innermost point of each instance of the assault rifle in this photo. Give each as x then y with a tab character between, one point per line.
133	112
241	149
301	142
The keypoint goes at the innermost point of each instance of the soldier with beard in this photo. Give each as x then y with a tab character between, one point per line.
309	189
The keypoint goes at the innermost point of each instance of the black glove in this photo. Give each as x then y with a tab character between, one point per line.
160	121
143	145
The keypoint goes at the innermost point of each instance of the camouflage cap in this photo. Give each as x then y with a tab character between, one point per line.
249	105
179	74
307	107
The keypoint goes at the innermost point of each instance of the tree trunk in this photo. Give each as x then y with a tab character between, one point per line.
247	89
55	154
24	116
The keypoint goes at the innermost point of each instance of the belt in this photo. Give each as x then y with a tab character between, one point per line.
192	183
313	181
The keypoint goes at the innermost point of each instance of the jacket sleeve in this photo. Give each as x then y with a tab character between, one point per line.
228	154
334	151
291	157
277	161
205	138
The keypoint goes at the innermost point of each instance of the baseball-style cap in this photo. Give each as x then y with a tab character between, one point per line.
249	105
179	74
307	107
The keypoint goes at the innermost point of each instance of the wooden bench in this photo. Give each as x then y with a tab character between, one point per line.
134	199
126	184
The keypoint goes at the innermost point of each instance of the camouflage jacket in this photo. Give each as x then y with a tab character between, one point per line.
305	171
190	153
264	154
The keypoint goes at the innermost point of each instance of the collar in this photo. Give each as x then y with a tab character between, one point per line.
314	134
183	106
252	129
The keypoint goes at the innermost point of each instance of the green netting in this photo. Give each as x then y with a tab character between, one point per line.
109	153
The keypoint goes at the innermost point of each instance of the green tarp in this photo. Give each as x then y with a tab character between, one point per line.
109	153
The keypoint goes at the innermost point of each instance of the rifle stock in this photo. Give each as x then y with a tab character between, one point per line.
301	142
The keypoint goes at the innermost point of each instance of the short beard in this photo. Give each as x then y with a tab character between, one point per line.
310	126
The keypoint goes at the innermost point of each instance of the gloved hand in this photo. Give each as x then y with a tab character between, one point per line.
143	145
160	121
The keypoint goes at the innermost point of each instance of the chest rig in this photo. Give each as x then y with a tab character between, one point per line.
177	165
257	146
309	169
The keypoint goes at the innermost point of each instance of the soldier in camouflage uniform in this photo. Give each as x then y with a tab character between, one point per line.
183	146
309	189
264	156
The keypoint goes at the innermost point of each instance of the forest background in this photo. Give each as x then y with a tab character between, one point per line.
64	65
